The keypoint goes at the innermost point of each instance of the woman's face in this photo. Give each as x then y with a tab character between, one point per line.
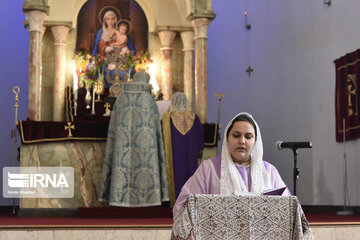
241	141
110	21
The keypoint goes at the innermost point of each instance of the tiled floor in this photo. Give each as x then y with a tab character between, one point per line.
85	234
320	233
21	228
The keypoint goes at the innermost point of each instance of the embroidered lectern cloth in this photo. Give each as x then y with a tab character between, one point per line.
206	216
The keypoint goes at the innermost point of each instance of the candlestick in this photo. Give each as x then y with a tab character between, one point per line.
93	102
75	89
247	25
16	90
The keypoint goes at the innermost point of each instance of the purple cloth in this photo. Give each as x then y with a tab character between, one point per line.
206	180
185	149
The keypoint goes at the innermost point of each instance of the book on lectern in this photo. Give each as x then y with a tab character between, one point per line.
274	191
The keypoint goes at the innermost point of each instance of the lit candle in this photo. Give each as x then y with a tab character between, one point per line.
76	82
247	25
75	86
153	82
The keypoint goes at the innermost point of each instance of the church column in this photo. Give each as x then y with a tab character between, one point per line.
200	27
41	73
35	19
166	40
59	33
188	42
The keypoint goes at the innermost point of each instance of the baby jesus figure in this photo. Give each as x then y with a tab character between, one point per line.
121	38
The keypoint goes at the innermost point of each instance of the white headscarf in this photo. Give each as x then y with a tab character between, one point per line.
179	102
106	33
231	181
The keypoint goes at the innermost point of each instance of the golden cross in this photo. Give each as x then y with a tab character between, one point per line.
249	70
219	96
107	105
352	91
69	126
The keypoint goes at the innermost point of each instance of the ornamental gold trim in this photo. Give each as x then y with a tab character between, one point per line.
183	121
169	157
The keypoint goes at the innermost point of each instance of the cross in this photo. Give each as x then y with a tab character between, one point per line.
249	70
219	96
69	126
352	90
107	106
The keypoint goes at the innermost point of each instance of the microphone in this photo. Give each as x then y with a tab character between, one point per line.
293	145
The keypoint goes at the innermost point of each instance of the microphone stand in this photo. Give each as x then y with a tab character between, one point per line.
346	192
294	147
296	170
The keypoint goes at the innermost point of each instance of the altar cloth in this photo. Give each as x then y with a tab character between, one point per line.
95	129
46	131
211	216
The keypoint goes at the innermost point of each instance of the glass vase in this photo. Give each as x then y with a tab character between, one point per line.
88	98
99	87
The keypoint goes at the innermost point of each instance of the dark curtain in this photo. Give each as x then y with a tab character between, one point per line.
347	96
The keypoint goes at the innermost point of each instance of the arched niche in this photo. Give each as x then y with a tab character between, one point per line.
157	12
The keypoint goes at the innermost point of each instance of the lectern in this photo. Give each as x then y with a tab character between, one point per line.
209	216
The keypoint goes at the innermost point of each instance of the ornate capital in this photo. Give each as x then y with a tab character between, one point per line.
200	6
187	40
167	39
36	20
39	5
60	33
201	26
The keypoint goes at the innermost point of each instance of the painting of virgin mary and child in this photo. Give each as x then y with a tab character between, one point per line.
101	28
113	34
108	35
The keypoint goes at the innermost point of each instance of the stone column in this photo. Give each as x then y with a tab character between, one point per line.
36	20
41	75
166	40
59	33
189	81
200	27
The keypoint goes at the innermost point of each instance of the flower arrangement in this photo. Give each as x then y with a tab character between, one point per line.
137	62
142	62
93	66
99	63
89	76
81	56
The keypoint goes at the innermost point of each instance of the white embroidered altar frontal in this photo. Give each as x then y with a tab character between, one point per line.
209	216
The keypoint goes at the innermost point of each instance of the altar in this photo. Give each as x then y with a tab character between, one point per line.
78	144
50	144
77	69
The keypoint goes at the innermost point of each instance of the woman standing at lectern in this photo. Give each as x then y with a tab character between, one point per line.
239	169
